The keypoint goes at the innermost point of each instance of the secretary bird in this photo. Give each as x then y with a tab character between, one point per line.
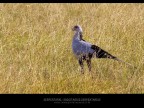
85	51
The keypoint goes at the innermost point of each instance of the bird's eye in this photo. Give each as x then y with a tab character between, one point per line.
76	27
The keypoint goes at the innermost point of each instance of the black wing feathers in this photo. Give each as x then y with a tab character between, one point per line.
100	53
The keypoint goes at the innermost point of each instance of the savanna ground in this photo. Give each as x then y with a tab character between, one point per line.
36	54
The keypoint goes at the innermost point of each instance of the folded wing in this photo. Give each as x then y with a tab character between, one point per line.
82	48
100	53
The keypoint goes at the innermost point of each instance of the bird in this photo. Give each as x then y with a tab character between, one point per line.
85	51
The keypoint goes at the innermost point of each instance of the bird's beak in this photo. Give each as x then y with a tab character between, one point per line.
72	29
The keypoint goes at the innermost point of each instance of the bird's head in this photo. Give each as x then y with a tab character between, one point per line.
77	28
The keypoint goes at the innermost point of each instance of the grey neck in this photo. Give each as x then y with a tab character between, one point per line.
78	35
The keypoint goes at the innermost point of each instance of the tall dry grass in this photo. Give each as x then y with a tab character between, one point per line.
36	54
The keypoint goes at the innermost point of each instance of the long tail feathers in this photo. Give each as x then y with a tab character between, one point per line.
124	62
100	53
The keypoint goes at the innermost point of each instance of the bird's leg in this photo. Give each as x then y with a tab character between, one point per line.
81	64
88	60
89	64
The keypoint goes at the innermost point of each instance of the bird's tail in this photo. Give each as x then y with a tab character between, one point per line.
100	53
123	62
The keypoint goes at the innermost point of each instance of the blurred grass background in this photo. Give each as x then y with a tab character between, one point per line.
36	54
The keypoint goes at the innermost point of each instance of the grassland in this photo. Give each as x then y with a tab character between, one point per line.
36	54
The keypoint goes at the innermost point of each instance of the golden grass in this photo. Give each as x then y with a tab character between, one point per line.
36	54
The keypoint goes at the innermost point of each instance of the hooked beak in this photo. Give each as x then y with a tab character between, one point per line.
73	29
